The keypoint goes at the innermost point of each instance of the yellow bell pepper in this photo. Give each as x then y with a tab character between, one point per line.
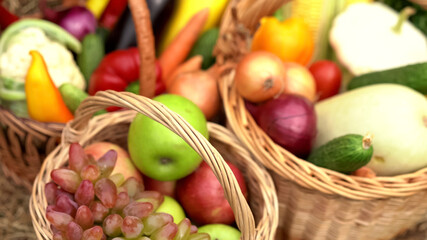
184	11
291	40
44	101
97	7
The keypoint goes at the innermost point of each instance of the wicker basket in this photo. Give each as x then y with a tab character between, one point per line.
113	127
24	143
315	203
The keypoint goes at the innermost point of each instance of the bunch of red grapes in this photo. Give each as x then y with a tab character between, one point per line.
86	202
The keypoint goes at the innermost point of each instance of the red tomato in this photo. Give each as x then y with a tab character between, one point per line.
327	76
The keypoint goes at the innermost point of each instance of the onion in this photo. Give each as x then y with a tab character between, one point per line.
259	76
201	88
290	121
299	81
78	21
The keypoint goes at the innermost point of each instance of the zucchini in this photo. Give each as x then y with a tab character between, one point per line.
73	96
204	46
413	76
92	53
344	154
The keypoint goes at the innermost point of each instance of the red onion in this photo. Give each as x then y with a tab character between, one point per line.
290	121
79	21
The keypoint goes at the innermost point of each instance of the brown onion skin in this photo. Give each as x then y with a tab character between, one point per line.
290	121
260	76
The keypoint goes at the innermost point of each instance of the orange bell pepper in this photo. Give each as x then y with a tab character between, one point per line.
291	39
44	100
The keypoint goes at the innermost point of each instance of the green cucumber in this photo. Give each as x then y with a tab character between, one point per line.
343	154
413	76
73	96
204	46
91	55
52	30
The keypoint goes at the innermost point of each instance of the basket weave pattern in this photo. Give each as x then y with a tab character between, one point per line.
114	127
24	143
316	203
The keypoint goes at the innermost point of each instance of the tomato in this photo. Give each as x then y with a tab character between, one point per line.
327	76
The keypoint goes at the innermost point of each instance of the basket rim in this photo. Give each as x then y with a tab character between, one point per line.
28	124
303	172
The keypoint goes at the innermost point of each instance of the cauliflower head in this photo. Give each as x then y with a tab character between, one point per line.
16	60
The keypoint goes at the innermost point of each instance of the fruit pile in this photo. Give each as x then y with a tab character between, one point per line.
86	202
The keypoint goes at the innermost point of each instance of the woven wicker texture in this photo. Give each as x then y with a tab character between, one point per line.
316	203
114	127
24	143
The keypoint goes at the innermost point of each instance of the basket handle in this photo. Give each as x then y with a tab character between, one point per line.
238	23
174	122
146	47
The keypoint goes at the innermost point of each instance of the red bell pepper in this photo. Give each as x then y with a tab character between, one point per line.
112	13
6	17
118	69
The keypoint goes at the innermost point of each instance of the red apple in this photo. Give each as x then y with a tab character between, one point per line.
164	187
124	164
202	196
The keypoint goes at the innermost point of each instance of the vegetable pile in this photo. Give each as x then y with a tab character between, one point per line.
305	69
343	91
84	49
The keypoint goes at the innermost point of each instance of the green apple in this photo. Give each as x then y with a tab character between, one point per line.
172	207
158	152
219	231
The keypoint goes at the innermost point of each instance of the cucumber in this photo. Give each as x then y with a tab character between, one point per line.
343	154
73	96
91	55
413	76
204	46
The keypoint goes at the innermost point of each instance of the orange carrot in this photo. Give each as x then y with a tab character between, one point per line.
191	65
178	49
145	38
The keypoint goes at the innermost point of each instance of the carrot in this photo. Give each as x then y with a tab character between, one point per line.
179	48
191	65
145	38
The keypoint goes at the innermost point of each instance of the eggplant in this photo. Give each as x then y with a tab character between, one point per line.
123	35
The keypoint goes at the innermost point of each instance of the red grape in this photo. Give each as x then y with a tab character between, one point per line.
155	221
106	191
153	197
132	186
166	232
77	157
107	162
117	178
66	205
112	225
184	228
67	179
122	201
138	209
50	192
94	233
74	231
90	172
99	211
59	236
132	227
199	236
193	229
84	217
58	219
85	194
